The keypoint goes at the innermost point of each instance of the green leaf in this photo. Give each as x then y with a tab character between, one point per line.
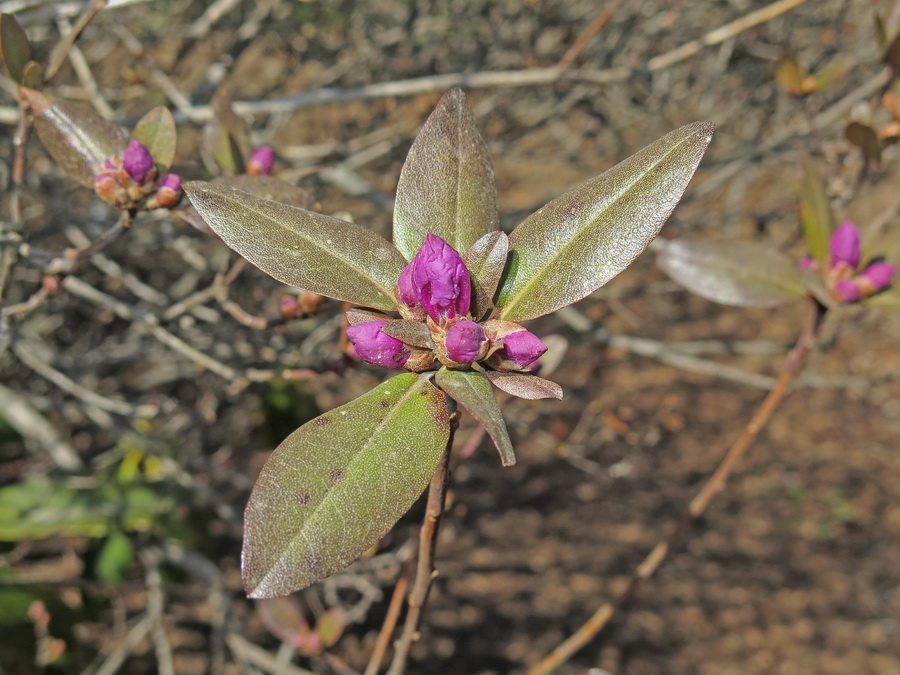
15	49
269	187
116	554
33	75
739	273
331	625
76	137
156	130
579	241
302	248
485	260
888	300
816	213
414	333
446	185
225	140
335	486
524	385
472	390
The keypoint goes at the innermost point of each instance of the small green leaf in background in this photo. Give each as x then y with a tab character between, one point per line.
284	618
225	140
579	241
14	47
335	486
302	248
76	137
472	390
486	260
331	625
446	185
816	213
739	273
115	556
156	130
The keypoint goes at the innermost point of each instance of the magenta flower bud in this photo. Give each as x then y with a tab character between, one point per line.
846	290
440	280
464	341
807	263
261	161
844	246
376	347
522	348
406	290
137	161
170	181
878	275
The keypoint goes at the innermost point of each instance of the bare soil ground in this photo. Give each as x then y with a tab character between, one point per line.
793	570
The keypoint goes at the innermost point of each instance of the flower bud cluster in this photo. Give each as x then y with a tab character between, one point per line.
846	279
132	181
435	289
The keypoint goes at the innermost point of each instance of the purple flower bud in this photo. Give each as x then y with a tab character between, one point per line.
846	290
406	290
807	263
170	181
878	275
844	246
522	348
261	161
464	341
137	161
440	280
377	347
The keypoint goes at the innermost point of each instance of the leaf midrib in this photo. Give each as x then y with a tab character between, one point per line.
560	253
388	293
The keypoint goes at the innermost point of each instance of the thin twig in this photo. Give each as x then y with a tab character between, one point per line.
713	486
387	628
32	424
589	32
61	50
116	658
425	571
155	606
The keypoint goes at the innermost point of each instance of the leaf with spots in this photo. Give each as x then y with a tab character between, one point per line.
335	486
302	248
579	241
447	182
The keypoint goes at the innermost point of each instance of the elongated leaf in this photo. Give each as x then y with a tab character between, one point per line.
486	259
156	130
447	183
815	211
525	386
472	390
739	273
579	241
335	486
76	137
14	47
888	300
298	247
33	75
269	187
413	333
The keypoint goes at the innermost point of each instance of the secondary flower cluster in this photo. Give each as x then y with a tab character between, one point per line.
846	279
132	181
435	298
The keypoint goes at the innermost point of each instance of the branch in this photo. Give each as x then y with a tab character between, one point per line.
425	571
